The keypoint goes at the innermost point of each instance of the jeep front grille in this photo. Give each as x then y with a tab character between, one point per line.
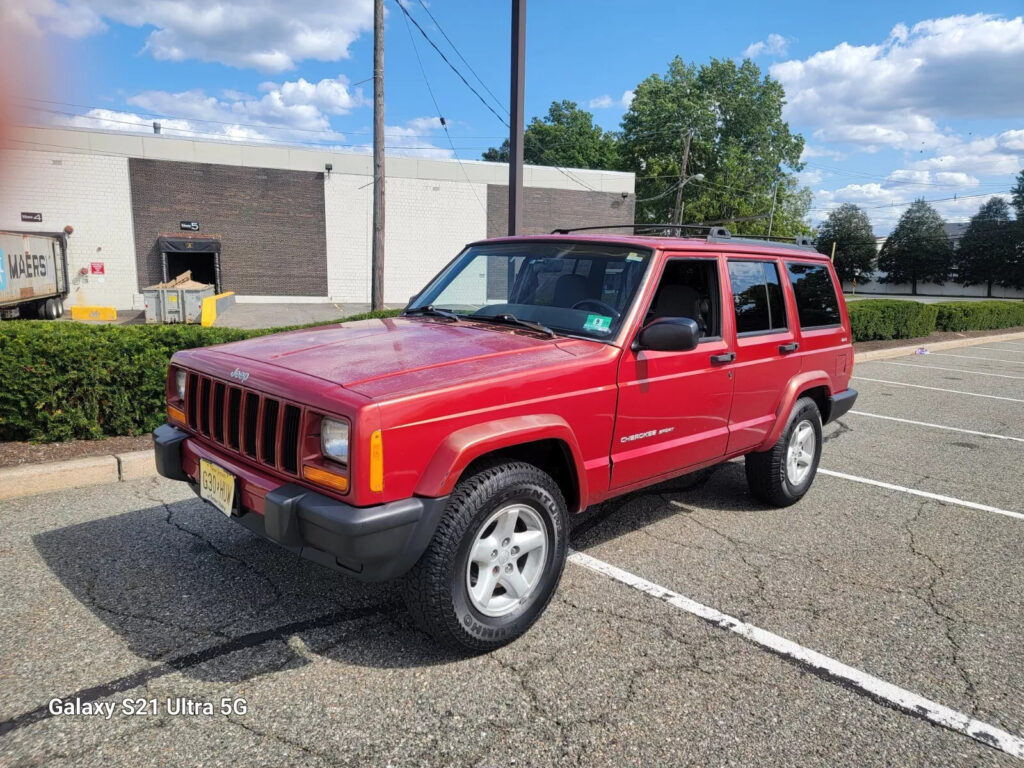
263	428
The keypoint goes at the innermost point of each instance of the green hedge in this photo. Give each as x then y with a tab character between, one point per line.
890	319
979	315
64	381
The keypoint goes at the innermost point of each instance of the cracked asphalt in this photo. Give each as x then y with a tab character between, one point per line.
139	591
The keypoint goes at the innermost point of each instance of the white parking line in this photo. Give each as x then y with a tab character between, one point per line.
968	357
922	494
825	666
937	426
1002	349
958	370
939	389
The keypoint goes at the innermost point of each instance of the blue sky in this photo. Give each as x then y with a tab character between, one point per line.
895	100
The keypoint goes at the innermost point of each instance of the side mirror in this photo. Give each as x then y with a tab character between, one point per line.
668	334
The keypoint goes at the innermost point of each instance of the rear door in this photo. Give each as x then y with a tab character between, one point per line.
766	347
824	340
673	408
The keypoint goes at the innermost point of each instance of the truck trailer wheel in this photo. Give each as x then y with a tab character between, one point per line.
782	475
495	559
50	310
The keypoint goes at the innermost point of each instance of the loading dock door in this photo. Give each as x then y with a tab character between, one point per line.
199	254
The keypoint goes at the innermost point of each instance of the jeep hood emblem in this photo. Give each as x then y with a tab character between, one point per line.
239	374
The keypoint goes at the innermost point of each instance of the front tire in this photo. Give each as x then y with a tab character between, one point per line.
782	475
495	560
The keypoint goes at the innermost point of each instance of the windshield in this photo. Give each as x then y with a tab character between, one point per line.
581	289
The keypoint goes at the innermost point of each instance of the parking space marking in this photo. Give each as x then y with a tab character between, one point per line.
852	679
937	426
939	389
958	370
1002	349
969	357
923	494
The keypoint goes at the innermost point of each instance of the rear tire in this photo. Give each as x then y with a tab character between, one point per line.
50	311
782	475
495	559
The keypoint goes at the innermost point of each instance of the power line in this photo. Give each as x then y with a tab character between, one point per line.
457	53
452	66
440	116
265	140
260	126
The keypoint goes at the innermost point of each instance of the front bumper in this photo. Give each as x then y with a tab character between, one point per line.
370	543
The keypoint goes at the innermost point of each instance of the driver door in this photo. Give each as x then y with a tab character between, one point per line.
673	407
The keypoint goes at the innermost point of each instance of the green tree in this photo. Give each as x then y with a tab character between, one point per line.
724	121
1017	192
917	250
850	229
566	137
987	252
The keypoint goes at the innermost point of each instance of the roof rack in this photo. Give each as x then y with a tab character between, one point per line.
713	234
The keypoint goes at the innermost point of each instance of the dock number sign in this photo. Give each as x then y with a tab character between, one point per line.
189	226
35	218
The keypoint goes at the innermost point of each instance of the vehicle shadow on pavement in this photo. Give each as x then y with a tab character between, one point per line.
199	594
723	486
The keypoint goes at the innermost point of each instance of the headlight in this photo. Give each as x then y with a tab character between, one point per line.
179	380
334	440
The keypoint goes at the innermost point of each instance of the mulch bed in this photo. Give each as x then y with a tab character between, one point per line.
12	454
924	341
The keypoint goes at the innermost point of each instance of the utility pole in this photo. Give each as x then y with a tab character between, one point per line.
771	216
515	134
677	211
377	256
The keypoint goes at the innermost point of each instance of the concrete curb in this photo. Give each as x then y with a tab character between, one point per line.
885	354
30	479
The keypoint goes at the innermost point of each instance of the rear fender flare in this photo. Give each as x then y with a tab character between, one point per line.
466	445
798	384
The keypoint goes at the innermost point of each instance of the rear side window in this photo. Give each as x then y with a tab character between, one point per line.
816	301
757	296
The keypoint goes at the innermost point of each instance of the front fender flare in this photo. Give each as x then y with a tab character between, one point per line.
466	445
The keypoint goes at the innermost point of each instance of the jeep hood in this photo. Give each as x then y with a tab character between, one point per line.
384	357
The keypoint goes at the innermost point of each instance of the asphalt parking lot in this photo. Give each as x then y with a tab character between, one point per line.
875	623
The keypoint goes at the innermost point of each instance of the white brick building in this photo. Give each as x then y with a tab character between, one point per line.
288	229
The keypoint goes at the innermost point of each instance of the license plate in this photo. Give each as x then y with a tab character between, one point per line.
217	486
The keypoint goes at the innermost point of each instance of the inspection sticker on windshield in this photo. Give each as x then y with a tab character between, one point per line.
634	257
598	324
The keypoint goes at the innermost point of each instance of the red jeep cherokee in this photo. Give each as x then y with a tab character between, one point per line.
532	378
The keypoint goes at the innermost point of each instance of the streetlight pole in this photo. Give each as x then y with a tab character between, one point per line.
515	135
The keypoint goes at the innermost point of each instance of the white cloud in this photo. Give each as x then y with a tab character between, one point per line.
604	101
1012	140
893	94
261	34
774	45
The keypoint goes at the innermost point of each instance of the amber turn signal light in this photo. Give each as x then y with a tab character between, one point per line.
325	478
175	414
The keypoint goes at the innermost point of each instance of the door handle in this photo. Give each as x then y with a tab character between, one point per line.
791	347
728	357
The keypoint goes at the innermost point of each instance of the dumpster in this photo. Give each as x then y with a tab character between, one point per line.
177	301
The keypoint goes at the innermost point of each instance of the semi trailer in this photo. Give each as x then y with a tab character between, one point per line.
33	275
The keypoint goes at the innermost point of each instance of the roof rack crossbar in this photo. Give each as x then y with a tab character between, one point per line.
713	233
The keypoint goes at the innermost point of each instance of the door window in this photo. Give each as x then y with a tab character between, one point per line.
816	301
689	288
757	296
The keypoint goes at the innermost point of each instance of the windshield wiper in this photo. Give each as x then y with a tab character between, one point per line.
509	319
430	309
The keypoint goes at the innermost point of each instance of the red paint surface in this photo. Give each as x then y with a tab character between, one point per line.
444	393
